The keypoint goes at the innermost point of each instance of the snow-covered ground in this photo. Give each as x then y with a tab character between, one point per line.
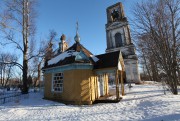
141	102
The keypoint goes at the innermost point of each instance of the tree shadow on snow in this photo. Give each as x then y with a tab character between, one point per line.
144	92
138	98
32	100
171	117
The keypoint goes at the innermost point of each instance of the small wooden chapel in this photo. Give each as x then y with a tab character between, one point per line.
74	75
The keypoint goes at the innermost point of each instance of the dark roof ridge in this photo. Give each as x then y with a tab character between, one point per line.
107	60
108	53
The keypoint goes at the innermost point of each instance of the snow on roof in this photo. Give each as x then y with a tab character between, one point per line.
94	58
68	53
62	56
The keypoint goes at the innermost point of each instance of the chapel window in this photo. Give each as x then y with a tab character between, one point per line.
57	82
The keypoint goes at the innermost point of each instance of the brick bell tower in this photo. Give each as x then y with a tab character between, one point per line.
118	38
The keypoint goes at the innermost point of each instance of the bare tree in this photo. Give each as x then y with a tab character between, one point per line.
17	23
6	67
47	49
46	52
147	60
158	28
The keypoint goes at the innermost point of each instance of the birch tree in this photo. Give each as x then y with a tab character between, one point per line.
17	24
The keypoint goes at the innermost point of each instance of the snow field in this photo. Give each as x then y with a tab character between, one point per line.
141	103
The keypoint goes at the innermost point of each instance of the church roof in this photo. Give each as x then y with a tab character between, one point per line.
107	60
77	53
78	47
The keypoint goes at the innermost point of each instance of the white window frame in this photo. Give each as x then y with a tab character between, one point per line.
57	82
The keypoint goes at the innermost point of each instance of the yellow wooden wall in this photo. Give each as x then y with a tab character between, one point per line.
78	87
47	85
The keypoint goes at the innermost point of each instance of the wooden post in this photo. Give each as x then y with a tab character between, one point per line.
95	87
122	84
117	86
107	82
90	82
104	81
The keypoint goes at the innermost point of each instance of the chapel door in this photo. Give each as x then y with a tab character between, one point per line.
100	86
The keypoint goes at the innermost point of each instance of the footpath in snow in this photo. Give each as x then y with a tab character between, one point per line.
141	103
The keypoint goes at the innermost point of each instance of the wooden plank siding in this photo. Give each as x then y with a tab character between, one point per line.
78	87
47	85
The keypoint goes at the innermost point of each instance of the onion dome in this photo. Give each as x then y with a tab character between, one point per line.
63	37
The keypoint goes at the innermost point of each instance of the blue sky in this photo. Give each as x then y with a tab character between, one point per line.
61	16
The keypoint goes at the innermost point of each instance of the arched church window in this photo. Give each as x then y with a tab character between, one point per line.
118	40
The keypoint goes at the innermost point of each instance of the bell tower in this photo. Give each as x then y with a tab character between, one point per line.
118	38
117	28
115	13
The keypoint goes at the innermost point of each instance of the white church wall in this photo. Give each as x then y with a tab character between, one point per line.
131	68
113	32
126	35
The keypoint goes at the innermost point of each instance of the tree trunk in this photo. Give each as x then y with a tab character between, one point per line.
149	75
39	73
25	42
175	91
25	72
